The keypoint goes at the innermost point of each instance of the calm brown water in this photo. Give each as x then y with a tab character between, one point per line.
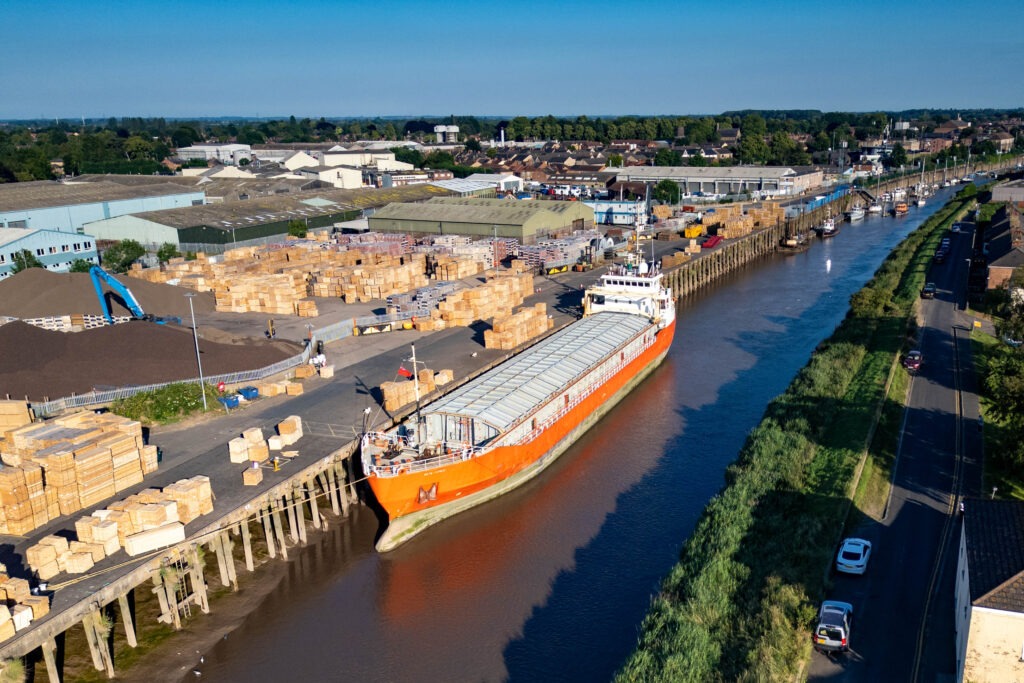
551	582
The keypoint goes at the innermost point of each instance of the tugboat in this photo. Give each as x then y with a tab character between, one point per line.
828	228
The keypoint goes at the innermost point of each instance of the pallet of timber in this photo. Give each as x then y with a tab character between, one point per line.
252	476
154	539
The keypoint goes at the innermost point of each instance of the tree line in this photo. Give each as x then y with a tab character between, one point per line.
139	145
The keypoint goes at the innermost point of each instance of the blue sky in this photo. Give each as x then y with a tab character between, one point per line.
262	58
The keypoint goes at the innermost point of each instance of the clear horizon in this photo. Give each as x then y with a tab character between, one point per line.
269	60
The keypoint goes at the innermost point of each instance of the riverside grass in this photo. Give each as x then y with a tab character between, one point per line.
738	604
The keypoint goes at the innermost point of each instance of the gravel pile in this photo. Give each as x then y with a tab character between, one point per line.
39	293
41	364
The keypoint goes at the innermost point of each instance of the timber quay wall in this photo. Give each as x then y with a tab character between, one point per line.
176	573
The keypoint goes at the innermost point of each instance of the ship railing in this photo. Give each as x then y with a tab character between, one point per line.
595	381
449	455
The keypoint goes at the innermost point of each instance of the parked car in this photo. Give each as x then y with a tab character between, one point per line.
913	360
832	634
928	291
853	556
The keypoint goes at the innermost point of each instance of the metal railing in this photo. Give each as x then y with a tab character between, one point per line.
326	334
393	469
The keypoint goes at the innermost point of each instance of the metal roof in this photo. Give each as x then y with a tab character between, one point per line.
47	193
722	173
528	380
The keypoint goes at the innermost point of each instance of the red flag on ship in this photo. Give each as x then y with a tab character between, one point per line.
403	372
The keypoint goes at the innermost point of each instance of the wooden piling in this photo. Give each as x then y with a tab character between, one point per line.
126	619
247	545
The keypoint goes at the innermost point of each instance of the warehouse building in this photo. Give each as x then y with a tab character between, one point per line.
214	228
524	221
723	180
67	207
1012	191
54	249
223	154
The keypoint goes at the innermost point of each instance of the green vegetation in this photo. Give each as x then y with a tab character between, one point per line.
122	255
738	604
166	252
666	191
138	145
297	228
80	265
167	404
24	260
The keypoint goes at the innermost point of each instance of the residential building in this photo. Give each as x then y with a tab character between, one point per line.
989	597
54	249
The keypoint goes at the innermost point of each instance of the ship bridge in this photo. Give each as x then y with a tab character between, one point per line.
495	402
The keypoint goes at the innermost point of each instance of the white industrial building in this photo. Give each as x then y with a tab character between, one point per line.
724	180
341	177
446	134
223	154
630	213
505	182
54	249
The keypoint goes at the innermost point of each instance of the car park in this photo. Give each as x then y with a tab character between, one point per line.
832	632
853	556
913	360
928	291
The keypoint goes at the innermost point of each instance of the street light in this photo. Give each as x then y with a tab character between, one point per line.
195	338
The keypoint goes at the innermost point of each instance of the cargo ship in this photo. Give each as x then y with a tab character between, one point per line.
503	428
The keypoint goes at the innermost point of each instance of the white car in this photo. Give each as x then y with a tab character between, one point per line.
853	556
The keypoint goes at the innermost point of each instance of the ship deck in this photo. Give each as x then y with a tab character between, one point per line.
526	381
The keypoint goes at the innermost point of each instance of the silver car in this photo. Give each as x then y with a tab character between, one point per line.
832	633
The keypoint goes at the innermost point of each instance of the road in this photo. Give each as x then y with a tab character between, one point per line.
904	604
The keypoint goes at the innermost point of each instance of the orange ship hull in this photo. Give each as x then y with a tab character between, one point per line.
461	485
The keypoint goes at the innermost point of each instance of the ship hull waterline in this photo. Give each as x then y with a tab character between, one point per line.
497	472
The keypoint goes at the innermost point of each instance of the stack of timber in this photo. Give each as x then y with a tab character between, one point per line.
13	414
675	258
289	431
249	447
459	267
18	607
276	294
60	466
493	299
515	330
403	392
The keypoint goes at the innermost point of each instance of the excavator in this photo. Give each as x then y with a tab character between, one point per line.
100	276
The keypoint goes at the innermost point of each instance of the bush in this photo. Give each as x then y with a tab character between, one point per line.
166	404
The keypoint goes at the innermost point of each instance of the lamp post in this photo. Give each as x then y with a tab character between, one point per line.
195	338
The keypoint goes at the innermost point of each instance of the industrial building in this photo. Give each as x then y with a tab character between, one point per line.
49	205
506	182
723	180
223	154
625	212
54	249
526	221
215	227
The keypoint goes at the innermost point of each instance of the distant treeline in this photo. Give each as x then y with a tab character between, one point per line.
138	145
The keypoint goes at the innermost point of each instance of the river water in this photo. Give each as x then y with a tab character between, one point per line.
551	582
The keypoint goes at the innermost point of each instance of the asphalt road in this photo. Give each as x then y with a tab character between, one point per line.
903	606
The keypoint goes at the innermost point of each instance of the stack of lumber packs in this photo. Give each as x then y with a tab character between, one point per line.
766	213
390	275
674	259
13	414
55	554
289	431
458	267
493	299
261	293
403	392
249	447
60	466
267	389
515	330
18	607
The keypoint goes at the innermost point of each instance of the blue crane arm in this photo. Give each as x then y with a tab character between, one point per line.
99	274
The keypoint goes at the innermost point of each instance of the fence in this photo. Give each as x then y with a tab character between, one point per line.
327	334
